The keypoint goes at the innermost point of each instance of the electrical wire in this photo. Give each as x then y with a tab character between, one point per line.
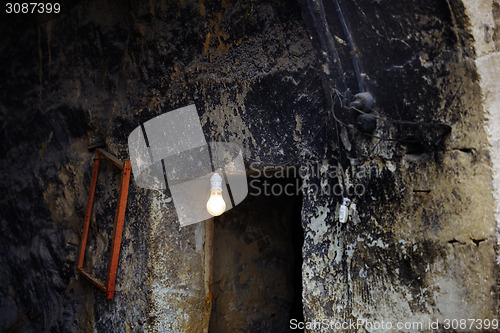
374	114
352	50
344	190
339	97
395	121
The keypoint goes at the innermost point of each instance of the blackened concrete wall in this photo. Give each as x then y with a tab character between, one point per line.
420	244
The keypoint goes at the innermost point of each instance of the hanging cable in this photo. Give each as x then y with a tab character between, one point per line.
344	190
352	50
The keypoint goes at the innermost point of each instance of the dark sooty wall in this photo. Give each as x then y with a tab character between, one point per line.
419	244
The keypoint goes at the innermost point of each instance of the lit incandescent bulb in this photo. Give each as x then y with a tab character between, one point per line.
216	205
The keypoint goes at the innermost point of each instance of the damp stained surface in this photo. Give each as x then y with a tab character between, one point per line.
257	261
422	243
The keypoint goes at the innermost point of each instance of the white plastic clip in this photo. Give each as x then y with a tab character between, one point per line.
344	210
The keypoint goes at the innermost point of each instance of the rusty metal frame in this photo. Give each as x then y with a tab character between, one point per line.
109	286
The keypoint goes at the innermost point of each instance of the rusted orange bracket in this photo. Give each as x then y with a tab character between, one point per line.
109	287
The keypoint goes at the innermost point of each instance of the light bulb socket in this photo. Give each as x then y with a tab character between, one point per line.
363	101
366	123
216	182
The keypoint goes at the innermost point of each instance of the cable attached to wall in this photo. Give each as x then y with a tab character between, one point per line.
352	50
338	96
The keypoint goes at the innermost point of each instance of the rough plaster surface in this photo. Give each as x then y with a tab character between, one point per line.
177	294
100	70
424	234
420	244
485	25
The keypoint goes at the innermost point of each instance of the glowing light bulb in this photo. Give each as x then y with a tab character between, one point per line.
216	205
